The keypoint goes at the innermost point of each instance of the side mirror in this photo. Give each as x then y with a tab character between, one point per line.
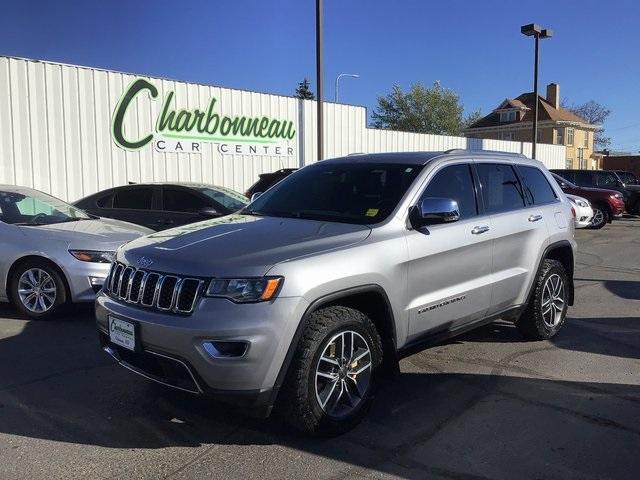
255	195
433	210
209	212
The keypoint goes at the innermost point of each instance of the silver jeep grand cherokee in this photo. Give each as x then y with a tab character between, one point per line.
338	270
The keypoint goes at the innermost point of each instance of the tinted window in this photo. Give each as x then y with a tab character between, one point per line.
133	198
537	188
455	182
606	180
181	200
583	179
501	189
105	202
229	199
359	193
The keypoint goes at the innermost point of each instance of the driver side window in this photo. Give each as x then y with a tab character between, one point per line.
33	206
455	182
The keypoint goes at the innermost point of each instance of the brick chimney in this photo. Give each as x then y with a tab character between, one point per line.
553	94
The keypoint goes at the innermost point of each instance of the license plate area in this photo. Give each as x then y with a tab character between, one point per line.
123	333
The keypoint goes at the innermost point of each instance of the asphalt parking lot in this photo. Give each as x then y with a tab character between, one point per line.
485	406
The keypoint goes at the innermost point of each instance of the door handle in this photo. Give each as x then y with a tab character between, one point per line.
535	218
479	230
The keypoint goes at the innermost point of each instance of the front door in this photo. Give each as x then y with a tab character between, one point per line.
450	264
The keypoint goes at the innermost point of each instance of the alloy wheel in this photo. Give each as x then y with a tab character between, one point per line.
37	290
553	300
598	217
343	373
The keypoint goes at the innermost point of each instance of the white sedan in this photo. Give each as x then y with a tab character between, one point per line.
584	212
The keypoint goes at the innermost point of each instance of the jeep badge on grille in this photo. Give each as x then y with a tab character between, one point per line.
144	262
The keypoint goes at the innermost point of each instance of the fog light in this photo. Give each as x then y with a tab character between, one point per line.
225	349
96	283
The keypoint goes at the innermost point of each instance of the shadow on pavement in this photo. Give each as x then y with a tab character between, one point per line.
627	289
56	384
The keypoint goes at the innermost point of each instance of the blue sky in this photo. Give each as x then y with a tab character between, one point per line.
474	47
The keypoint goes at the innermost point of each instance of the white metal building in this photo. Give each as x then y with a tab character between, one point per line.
71	131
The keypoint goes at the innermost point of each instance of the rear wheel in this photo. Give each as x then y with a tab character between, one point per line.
601	217
36	289
330	383
547	309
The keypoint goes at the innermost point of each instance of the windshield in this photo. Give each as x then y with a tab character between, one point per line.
229	199
359	193
30	207
628	178
560	180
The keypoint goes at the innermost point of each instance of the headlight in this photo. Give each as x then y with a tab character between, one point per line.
93	256
582	203
617	195
244	290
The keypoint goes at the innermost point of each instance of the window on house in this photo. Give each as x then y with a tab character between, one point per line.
559	136
508	116
570	133
506	135
539	136
568	163
581	159
586	139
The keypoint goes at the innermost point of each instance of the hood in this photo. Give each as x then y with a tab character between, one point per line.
237	245
632	188
94	234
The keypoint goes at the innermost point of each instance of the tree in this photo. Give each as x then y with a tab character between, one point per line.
304	90
595	114
422	110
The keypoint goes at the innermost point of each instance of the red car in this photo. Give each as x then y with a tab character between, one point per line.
606	204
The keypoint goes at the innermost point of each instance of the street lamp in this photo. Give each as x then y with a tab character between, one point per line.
352	75
537	32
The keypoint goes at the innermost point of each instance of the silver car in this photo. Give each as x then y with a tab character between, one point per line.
337	270
52	253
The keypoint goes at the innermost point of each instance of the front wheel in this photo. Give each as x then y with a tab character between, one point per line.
600	217
547	309
330	383
37	290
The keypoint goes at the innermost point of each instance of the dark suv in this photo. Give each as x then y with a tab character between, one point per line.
606	204
609	179
161	206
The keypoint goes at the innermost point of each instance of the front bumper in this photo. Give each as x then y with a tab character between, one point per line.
172	347
85	278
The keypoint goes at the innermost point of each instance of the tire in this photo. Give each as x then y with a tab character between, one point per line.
304	388
46	284
537	322
601	217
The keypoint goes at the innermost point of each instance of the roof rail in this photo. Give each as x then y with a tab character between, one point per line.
491	152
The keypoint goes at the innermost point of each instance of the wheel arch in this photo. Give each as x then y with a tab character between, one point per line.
562	252
371	299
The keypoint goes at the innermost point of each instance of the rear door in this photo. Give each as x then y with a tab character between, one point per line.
450	264
519	231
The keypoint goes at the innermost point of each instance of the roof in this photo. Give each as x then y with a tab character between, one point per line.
419	158
546	111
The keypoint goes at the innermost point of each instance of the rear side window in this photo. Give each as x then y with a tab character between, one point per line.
455	182
536	187
133	198
180	200
501	189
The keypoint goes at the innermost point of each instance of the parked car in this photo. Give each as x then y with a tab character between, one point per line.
607	179
52	253
267	180
584	212
628	178
342	266
606	204
159	206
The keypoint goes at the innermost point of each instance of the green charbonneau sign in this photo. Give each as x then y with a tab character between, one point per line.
194	126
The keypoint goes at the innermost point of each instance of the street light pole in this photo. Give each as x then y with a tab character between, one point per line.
352	75
319	77
537	32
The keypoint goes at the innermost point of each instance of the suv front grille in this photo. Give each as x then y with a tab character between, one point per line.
153	290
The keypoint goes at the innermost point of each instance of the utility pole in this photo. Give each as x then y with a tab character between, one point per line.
319	78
